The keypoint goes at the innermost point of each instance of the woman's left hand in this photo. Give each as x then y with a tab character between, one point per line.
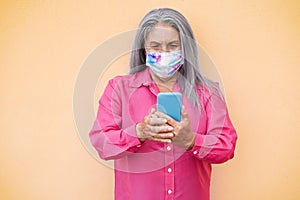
183	135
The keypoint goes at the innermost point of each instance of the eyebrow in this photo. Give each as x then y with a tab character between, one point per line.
174	41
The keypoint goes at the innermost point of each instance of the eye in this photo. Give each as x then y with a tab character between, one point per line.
154	46
173	46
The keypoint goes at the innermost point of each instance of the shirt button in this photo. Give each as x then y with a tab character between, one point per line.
195	152
169	191
169	170
168	148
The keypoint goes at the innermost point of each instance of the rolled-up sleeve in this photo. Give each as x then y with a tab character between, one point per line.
217	145
108	138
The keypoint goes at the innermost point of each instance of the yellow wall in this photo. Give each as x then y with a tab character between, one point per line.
254	44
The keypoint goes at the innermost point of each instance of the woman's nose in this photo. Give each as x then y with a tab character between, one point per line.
164	48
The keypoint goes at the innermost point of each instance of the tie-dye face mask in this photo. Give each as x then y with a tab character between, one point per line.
164	64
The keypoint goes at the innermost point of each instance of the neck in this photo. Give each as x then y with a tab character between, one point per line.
164	84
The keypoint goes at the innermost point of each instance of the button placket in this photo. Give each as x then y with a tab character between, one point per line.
169	171
169	148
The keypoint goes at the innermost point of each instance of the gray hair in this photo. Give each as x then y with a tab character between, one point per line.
189	73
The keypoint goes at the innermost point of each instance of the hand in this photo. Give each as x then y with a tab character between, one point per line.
154	128
183	135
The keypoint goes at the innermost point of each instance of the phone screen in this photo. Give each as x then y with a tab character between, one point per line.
170	104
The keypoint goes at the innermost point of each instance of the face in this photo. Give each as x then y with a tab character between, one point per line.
162	38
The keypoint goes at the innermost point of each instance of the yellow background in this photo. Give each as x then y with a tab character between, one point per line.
254	44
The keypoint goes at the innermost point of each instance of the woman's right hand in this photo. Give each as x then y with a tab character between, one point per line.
154	128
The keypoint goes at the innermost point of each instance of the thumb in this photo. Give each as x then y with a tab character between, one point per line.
152	111
184	113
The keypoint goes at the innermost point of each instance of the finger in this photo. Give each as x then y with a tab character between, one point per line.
149	134
175	133
154	120
169	135
169	119
161	140
152	111
147	117
160	129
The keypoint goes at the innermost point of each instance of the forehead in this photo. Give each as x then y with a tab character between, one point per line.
162	33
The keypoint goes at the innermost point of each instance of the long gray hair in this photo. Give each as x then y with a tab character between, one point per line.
189	73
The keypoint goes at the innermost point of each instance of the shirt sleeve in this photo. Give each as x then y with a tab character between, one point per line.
218	144
107	136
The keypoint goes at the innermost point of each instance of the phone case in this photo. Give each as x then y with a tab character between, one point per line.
170	104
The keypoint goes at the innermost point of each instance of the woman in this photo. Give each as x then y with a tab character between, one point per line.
155	156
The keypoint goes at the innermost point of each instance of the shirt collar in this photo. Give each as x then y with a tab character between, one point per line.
144	78
141	78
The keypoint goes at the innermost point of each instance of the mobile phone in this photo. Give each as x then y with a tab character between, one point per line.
170	103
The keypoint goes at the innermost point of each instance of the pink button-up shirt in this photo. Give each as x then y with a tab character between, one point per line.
154	170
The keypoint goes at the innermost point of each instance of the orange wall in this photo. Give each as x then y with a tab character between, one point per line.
255	46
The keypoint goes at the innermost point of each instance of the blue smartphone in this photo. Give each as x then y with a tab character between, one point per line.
170	103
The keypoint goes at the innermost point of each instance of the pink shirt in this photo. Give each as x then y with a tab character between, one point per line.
154	170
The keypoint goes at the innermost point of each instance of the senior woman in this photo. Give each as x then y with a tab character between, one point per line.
156	157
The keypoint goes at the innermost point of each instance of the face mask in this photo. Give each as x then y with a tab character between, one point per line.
164	64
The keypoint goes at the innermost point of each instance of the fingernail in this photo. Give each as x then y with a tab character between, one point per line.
170	129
